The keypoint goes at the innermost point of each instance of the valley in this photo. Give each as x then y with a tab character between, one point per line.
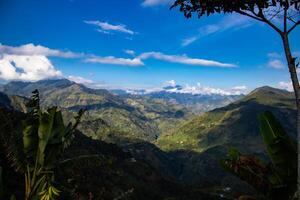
161	132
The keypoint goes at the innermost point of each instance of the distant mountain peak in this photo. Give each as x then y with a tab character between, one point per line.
268	89
171	87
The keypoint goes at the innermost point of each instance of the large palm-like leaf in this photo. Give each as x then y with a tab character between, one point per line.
280	148
44	137
30	128
277	180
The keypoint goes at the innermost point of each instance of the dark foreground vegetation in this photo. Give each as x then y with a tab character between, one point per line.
65	164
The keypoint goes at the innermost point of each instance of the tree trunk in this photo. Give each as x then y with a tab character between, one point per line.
293	73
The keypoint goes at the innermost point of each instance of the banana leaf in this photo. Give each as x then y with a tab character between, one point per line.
30	128
280	148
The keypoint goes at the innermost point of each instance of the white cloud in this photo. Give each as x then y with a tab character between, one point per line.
193	89
206	90
183	59
129	52
115	61
81	80
276	64
275	55
240	87
188	41
31	49
230	22
107	28
149	3
88	83
285	86
27	68
104	32
275	60
171	83
138	60
38	50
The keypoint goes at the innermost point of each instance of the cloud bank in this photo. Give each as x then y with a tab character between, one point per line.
31	50
172	87
27	68
31	62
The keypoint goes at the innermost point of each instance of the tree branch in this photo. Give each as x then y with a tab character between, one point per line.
285	19
293	27
249	15
264	19
289	18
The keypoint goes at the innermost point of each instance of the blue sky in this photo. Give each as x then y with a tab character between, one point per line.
137	44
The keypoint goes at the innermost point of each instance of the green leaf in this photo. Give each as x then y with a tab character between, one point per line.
233	154
45	132
13	197
280	148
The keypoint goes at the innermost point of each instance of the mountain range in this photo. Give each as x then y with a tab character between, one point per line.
162	128
196	101
108	116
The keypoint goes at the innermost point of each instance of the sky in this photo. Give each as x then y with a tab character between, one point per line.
138	44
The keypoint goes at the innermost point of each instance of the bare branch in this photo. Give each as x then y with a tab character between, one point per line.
264	19
285	19
291	19
249	15
279	11
293	27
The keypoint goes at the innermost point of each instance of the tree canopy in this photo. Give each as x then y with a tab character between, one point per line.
261	10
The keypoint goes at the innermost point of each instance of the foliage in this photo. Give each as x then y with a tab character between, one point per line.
277	180
45	137
251	8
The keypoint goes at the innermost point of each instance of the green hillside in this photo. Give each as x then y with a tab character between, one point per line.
109	117
233	125
185	148
202	141
107	173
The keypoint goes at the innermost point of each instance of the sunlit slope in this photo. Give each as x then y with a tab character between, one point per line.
233	125
108	117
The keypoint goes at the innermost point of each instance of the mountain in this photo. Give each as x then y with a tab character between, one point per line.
198	102
235	124
158	130
108	173
109	117
199	143
13	101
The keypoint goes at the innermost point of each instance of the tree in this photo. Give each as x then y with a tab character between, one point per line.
36	155
285	12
